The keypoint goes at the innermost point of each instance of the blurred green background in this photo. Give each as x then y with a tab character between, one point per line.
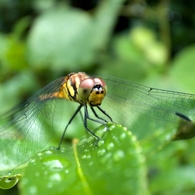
149	42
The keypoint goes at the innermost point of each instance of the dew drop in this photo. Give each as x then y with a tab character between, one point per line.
101	152
101	142
55	177
101	132
86	150
48	152
52	148
130	133
9	179
56	164
39	154
10	174
66	171
111	127
110	146
32	190
134	138
118	155
91	138
62	150
82	141
125	128
115	138
7	182
84	156
122	136
91	145
106	157
88	156
32	160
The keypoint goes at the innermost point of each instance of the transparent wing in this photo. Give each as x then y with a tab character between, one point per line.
143	109
27	128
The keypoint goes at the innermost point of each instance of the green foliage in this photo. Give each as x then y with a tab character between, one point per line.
52	39
85	168
60	29
183	68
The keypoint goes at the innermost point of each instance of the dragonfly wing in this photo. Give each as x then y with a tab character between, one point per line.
28	127
145	110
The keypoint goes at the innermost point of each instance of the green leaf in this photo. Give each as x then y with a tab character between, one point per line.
9	181
169	181
64	36
183	67
115	166
167	175
55	33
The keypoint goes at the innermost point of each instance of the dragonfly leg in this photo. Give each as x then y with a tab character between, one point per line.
86	117
62	138
96	115
104	113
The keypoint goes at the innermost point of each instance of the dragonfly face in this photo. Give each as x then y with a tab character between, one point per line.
91	91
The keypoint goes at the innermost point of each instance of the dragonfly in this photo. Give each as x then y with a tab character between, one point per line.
103	99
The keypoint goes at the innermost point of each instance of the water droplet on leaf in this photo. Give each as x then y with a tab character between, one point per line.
101	142
91	138
7	182
82	141
32	190
101	152
110	146
122	136
48	152
118	155
83	157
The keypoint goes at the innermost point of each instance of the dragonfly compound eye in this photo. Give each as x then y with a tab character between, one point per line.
92	91
85	88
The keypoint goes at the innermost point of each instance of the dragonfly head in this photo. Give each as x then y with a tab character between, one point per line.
92	91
